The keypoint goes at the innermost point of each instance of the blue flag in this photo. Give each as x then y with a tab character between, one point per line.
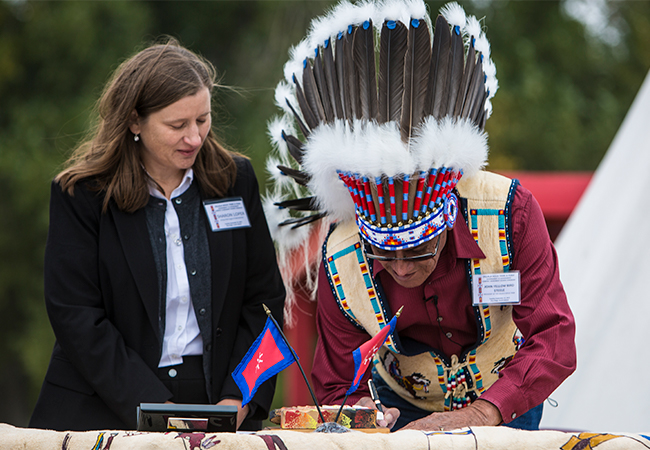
364	354
268	356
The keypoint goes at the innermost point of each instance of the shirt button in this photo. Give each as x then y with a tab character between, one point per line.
193	272
180	327
514	415
178	241
178	201
183	299
178	266
439	319
172	373
449	335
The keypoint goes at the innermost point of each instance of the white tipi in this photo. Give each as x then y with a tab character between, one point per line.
603	250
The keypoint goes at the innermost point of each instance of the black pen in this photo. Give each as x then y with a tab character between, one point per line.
374	396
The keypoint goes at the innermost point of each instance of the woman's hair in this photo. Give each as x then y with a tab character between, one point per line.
151	80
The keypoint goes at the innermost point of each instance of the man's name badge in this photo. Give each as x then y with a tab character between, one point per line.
497	288
226	214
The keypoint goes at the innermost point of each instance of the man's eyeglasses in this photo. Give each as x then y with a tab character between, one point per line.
416	258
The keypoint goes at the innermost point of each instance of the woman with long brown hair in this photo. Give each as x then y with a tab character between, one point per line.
158	256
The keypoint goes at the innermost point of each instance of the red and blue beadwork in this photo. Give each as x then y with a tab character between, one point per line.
421	230
388	222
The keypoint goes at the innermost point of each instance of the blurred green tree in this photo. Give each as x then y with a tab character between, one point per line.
53	62
563	92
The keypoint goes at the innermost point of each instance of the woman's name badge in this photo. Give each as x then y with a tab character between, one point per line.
497	288
226	214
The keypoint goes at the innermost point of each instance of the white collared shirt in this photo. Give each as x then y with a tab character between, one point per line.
182	334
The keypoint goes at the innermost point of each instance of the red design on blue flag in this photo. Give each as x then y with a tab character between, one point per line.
268	356
364	354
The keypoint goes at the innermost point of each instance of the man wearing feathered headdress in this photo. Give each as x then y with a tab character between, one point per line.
391	155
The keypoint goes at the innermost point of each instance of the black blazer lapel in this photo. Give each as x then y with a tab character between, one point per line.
221	260
135	242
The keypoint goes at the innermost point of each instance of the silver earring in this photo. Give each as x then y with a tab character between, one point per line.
136	137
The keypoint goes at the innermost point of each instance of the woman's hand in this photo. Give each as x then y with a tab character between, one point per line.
390	414
242	413
479	413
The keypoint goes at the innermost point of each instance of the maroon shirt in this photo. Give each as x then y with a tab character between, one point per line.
439	313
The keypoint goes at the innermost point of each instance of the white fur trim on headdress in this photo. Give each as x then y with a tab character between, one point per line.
458	144
365	148
287	237
473	27
334	22
455	14
275	127
482	45
491	84
284	92
323	152
400	10
296	63
281	182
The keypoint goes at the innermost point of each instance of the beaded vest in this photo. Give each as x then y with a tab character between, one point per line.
431	380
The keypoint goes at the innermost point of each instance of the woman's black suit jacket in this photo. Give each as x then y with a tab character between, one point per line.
101	293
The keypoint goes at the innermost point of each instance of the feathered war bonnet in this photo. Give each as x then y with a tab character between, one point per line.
383	144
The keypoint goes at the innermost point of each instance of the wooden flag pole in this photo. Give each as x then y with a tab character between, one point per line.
295	357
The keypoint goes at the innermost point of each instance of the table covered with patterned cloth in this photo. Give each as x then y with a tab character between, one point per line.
475	438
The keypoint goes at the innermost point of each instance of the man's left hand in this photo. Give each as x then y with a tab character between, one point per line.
479	413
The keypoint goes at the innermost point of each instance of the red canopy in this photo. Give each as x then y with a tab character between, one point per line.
557	192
